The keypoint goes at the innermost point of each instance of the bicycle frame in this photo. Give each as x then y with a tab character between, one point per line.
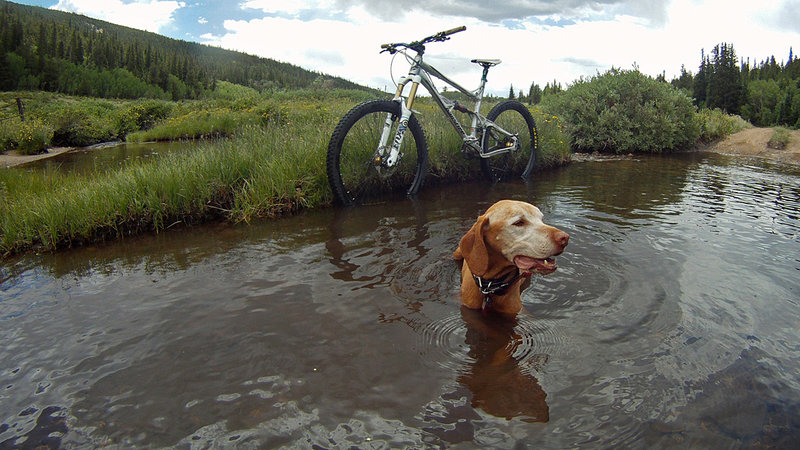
420	73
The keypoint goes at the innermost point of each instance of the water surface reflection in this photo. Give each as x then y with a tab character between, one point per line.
671	322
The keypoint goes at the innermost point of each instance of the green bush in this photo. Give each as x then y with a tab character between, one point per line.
716	124
28	138
780	138
142	115
625	111
233	92
84	123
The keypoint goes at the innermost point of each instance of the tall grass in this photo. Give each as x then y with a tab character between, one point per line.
271	164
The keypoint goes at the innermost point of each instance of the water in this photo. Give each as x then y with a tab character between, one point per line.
108	156
671	322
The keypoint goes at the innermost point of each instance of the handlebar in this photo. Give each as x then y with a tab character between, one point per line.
419	46
453	30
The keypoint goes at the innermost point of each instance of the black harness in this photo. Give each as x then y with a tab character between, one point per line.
497	286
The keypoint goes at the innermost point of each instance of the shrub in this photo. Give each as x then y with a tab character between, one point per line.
142	115
625	111
716	124
233	92
779	139
29	137
84	123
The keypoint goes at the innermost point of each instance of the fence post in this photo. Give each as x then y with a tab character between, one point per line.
21	109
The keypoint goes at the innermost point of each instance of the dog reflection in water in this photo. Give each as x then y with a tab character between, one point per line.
500	386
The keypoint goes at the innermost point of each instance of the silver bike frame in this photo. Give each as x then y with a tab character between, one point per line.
420	73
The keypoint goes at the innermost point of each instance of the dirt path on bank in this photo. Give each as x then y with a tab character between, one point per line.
753	142
14	159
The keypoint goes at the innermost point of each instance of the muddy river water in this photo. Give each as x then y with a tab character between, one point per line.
672	321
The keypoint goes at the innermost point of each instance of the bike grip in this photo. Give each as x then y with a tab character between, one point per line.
454	30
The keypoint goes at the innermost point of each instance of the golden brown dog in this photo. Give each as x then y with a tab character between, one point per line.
503	248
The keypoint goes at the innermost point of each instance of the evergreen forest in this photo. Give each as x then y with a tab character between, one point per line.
42	49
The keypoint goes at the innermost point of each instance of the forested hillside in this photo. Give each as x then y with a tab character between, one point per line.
74	54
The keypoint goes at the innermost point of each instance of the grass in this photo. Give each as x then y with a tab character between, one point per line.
273	162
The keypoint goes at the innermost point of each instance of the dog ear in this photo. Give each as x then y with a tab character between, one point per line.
473	247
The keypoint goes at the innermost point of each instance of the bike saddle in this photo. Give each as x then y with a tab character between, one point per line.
487	62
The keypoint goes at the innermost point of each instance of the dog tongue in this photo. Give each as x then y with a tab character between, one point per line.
525	262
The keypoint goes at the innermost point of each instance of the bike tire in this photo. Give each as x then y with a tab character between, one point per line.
352	175
514	117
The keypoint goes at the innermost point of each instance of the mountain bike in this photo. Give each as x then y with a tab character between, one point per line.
371	150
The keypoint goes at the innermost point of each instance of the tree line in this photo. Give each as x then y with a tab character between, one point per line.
765	93
73	54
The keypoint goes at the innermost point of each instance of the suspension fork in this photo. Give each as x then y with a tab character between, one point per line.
391	157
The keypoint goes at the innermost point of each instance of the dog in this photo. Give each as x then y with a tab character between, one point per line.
505	246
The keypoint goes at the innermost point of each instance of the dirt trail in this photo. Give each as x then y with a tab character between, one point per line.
753	142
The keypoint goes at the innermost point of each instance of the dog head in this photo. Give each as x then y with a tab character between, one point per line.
511	233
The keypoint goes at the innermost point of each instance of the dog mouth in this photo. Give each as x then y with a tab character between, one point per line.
535	265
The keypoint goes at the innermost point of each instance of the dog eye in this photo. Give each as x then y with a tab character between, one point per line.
519	223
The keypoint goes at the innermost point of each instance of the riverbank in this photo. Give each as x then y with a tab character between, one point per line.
753	142
12	158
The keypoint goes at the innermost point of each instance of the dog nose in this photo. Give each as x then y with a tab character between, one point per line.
561	238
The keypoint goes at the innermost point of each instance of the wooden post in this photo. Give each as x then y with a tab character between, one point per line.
21	109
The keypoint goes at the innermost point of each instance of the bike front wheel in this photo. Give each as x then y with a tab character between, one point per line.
355	154
515	118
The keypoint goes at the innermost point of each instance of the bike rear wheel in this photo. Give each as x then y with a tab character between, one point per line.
513	117
353	174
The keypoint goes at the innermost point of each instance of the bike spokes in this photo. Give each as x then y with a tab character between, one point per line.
359	154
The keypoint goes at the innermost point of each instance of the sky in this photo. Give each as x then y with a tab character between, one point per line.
539	41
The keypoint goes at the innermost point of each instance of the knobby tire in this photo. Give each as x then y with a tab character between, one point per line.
514	117
351	173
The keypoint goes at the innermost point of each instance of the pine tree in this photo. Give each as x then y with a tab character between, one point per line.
511	92
535	94
725	89
701	80
684	81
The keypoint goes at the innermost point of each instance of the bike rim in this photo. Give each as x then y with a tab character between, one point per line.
503	166
360	177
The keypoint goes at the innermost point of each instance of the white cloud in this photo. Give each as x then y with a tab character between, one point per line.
531	52
150	15
289	7
548	40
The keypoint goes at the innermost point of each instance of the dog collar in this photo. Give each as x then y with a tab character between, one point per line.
495	286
